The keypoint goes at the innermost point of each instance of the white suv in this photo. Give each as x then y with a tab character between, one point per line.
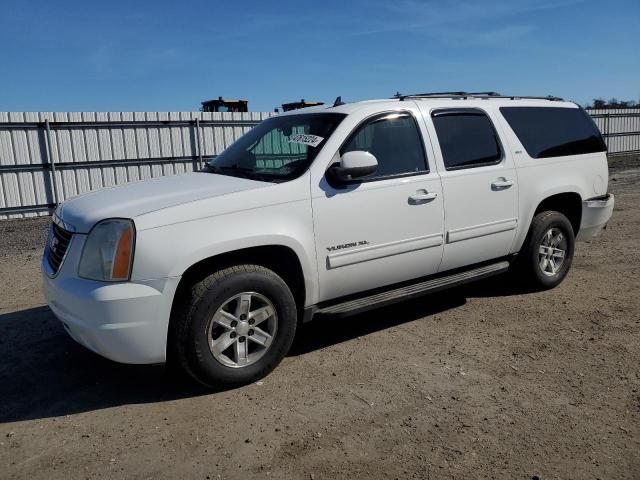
325	210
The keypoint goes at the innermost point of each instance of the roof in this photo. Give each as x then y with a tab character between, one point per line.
439	101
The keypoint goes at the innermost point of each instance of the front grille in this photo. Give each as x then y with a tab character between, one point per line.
57	247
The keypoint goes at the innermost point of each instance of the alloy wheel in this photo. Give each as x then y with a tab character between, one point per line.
242	329
552	251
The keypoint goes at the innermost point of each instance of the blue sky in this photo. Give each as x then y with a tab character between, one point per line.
170	55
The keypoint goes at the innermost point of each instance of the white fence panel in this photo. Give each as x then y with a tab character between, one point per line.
92	150
620	128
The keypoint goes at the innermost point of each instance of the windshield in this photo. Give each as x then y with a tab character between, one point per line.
277	149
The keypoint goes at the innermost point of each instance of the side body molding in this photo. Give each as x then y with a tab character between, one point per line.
372	252
475	231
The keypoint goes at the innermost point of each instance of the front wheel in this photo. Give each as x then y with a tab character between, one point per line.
547	253
235	326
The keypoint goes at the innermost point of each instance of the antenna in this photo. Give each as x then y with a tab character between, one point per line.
338	101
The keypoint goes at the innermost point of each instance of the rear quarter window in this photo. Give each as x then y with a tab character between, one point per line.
547	132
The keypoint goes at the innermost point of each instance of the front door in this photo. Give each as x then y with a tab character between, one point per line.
388	227
479	185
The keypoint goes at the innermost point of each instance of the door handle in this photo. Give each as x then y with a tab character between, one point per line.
501	184
422	196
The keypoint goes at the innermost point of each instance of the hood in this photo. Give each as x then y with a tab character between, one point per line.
81	213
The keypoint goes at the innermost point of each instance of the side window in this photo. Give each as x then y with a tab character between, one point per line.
394	139
547	132
467	138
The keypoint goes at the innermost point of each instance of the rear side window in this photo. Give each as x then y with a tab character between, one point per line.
395	141
467	138
554	131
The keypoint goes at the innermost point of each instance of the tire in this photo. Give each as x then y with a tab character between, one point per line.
539	259
232	349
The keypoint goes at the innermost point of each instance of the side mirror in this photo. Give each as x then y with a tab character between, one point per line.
354	165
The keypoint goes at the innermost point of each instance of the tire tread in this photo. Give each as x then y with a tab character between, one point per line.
188	305
527	264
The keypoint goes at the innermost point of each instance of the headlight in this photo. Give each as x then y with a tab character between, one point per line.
108	251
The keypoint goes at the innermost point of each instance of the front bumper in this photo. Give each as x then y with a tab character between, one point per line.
126	322
596	213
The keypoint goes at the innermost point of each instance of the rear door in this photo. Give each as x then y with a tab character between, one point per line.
479	185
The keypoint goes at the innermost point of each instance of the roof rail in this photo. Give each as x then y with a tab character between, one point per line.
488	94
431	94
551	98
482	95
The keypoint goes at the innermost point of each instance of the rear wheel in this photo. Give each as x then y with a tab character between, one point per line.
547	253
235	326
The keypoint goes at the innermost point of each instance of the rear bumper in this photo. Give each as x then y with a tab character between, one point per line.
596	212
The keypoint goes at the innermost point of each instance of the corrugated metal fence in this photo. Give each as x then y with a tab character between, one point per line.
620	128
48	157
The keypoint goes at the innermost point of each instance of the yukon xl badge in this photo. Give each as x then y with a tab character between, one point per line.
347	245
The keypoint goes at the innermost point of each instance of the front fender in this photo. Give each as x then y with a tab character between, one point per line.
168	251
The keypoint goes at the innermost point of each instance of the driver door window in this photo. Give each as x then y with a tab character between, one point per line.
395	141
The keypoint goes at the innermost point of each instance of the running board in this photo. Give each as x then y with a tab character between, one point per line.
404	293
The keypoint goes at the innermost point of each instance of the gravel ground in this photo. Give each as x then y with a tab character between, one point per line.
18	237
485	381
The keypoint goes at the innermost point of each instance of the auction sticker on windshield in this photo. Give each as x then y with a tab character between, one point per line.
311	140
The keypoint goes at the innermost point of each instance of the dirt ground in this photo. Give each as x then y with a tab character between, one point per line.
485	381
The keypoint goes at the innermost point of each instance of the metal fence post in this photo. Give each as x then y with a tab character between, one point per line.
52	164
200	164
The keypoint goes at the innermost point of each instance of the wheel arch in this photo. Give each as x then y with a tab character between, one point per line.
281	259
567	203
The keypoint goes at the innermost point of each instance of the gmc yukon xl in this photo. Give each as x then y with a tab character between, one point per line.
325	210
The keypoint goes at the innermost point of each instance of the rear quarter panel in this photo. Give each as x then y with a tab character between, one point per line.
538	179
